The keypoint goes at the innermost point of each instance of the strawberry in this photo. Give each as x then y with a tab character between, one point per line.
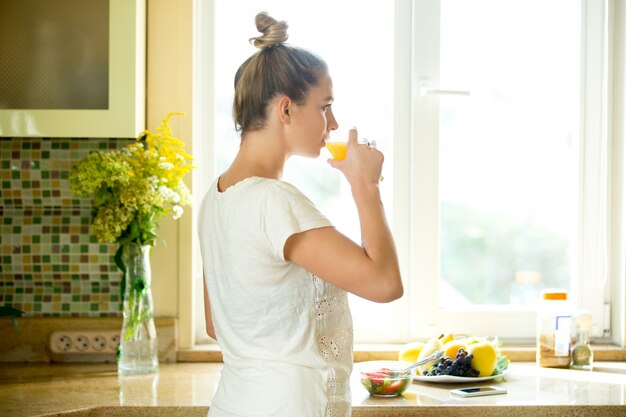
393	387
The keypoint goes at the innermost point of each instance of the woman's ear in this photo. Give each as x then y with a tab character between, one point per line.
284	109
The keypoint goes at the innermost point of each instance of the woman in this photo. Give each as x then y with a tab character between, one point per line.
276	271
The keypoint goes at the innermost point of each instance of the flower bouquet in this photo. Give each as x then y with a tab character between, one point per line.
131	189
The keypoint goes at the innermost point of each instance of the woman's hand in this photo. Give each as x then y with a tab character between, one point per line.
363	164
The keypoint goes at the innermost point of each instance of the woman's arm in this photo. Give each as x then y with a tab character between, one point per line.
370	271
207	311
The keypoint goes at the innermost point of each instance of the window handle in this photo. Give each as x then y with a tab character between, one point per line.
427	91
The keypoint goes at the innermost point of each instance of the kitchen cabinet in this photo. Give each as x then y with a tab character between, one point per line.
72	68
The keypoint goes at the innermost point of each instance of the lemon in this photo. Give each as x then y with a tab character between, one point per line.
485	357
410	351
451	348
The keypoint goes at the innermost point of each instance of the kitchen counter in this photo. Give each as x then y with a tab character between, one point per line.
185	389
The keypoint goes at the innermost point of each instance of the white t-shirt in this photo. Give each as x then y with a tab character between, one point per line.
285	334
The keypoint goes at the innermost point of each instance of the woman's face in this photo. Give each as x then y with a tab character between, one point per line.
313	120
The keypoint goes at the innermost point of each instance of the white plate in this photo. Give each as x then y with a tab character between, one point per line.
447	379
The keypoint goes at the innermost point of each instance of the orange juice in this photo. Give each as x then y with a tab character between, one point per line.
337	150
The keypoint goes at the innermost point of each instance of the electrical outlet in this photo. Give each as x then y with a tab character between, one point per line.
99	343
84	345
114	341
62	343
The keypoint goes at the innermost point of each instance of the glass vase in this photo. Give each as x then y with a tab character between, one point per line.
138	342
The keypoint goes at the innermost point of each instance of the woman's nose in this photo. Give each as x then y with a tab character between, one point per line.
332	122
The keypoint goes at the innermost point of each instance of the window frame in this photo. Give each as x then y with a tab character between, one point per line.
423	210
416	205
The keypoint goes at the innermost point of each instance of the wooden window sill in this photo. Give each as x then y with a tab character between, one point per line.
368	352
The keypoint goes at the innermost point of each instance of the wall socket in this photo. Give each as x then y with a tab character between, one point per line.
84	345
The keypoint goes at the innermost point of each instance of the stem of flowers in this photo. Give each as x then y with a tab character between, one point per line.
137	312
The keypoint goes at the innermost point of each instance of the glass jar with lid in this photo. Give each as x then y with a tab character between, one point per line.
553	329
582	355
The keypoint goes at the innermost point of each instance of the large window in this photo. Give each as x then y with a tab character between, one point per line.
492	116
509	185
508	151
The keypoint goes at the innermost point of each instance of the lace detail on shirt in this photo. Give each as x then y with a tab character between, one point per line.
338	387
338	398
335	344
317	280
337	410
333	299
329	304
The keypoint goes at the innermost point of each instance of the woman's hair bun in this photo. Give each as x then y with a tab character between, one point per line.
274	31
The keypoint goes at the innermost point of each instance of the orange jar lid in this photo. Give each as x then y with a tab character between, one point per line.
554	294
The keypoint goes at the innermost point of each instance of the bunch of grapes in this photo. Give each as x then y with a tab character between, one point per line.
461	366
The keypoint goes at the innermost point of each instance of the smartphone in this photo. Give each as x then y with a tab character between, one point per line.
477	391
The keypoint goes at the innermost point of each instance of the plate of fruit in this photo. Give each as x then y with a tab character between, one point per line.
464	359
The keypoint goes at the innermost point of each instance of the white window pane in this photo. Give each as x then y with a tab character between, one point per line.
509	151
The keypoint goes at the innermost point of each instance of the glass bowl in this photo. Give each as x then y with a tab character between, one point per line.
384	378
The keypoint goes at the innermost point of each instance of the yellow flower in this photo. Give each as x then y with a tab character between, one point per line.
132	188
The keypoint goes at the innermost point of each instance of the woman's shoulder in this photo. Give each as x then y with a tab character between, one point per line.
259	189
284	187
272	187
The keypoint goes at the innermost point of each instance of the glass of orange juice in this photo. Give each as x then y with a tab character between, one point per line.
337	150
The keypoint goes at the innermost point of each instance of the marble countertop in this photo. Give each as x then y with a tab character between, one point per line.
185	389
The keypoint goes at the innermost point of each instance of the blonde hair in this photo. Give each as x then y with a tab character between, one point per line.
274	70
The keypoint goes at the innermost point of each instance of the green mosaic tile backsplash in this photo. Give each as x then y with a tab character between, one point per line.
50	263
